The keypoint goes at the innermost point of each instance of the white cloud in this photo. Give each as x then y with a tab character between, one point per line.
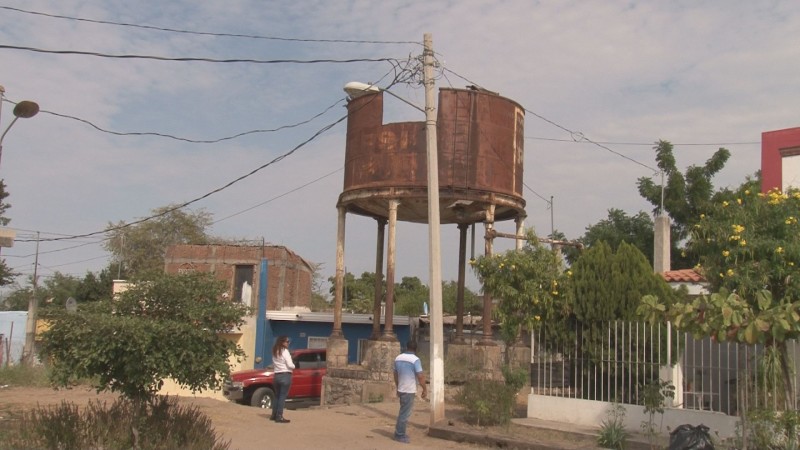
614	71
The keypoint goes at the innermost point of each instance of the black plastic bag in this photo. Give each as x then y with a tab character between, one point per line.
688	437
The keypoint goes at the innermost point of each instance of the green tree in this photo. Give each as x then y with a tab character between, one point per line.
750	254
604	287
140	246
409	296
685	196
358	293
6	274
618	228
166	327
528	284
473	304
319	302
17	300
54	291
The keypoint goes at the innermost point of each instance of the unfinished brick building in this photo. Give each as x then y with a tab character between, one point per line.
288	275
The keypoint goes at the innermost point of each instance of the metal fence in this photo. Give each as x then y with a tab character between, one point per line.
613	362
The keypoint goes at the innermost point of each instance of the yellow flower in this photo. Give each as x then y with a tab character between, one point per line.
725	203
702	216
554	292
721	275
472	262
569	273
779	250
747	192
791	263
726	253
729	272
537	317
513	267
742	243
739	201
737	228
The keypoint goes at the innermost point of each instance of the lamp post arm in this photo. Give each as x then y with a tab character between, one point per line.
8	128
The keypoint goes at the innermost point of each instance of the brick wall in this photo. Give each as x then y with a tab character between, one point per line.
288	275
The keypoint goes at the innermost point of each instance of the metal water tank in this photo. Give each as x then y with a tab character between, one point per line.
480	138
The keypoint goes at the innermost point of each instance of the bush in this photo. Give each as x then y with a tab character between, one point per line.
613	434
491	402
22	375
160	425
774	430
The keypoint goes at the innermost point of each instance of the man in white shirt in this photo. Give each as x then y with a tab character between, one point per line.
407	372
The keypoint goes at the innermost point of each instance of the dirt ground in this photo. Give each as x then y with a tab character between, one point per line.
358	427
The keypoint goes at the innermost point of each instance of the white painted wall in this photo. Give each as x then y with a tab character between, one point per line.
591	413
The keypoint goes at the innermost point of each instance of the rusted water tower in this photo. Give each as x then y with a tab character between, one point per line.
480	156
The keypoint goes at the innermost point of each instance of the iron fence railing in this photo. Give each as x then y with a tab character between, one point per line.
613	361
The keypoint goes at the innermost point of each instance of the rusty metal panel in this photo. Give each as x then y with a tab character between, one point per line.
480	148
480	140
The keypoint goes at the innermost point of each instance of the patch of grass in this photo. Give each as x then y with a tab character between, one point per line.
22	375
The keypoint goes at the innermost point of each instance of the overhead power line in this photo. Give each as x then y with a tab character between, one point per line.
204	33
204	196
576	136
197	59
193	141
650	144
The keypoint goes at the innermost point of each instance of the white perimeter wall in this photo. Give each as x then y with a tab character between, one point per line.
591	413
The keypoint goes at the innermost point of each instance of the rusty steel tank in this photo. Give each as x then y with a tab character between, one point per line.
480	151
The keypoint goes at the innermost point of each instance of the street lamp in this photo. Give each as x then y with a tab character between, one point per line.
356	89
24	110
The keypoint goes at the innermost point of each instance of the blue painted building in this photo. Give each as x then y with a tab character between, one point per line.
312	329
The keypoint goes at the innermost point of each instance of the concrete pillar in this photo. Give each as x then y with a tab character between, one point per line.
487	298
339	286
388	329
661	245
462	263
520	221
376	306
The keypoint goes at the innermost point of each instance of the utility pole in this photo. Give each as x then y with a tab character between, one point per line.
28	351
436	332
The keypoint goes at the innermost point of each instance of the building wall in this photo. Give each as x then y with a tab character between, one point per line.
299	332
780	151
288	275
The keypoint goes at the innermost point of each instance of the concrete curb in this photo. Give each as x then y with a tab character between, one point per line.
443	430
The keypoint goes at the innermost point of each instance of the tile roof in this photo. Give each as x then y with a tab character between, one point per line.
683	275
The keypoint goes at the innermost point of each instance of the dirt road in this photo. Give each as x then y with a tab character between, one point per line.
357	427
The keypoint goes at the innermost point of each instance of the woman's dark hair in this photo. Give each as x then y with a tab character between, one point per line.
278	346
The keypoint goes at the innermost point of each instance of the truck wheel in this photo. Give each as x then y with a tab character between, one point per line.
262	398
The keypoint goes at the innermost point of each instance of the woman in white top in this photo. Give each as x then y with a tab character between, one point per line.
283	364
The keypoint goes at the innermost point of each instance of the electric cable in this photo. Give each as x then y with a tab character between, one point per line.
197	59
203	33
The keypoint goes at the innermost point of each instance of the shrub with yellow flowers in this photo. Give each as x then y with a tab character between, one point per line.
749	247
527	283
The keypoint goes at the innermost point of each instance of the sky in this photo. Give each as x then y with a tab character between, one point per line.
601	83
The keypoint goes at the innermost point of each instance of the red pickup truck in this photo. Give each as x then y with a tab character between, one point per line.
255	387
